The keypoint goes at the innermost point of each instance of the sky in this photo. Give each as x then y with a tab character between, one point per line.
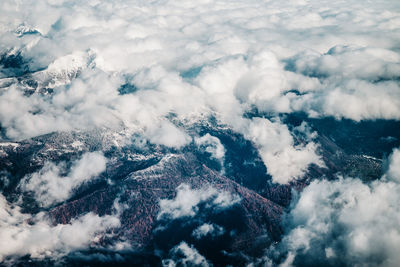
131	66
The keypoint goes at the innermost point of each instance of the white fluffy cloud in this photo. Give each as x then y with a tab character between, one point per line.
284	160
207	229
185	255
187	200
49	186
212	145
35	235
393	172
346	221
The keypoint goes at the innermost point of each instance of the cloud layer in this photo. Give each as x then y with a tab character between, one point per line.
195	59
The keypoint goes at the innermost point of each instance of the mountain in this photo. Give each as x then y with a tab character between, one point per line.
138	179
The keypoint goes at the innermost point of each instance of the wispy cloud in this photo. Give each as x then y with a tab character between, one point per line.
49	186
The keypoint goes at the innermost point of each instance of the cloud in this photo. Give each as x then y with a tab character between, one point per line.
366	63
285	161
49	186
393	172
185	255
353	99
187	200
212	145
207	229
78	106
345	222
24	234
169	135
